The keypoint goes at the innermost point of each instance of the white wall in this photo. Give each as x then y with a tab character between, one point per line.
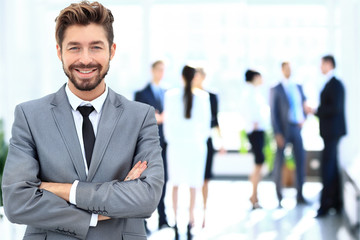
29	67
350	55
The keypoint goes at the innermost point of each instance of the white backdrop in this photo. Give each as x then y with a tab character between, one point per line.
228	36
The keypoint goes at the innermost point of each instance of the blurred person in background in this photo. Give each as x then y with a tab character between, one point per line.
187	129
256	113
287	104
198	83
153	94
331	113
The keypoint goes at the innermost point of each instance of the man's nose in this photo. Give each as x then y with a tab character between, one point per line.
85	57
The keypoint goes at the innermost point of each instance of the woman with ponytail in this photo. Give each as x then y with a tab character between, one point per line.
186	128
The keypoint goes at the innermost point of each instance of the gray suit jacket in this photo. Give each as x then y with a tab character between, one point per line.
279	105
45	147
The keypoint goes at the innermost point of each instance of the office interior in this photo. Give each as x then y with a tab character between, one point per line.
225	36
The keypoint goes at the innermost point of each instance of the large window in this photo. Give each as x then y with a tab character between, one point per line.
231	37
227	37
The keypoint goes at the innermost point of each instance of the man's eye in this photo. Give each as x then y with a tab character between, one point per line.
73	48
96	47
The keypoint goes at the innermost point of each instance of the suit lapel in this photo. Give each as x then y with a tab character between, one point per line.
150	93
65	122
327	85
110	115
154	101
283	93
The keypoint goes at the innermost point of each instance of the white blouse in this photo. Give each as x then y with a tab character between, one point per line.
255	108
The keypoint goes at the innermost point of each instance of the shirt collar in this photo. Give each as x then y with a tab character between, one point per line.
330	75
154	87
285	82
75	101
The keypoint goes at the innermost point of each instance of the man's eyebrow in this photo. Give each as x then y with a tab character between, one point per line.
97	42
72	43
91	43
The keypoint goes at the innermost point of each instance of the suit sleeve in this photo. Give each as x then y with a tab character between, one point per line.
138	97
275	115
131	199
333	102
214	110
24	202
207	116
303	99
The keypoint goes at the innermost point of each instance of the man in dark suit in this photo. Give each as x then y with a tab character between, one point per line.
287	103
331	115
153	95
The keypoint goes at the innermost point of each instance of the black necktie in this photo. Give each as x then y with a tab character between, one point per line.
88	132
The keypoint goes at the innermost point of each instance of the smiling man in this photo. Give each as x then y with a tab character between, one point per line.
84	162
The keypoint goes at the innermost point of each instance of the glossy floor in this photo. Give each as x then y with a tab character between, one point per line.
229	215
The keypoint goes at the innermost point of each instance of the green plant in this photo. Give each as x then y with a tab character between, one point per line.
3	155
244	142
269	149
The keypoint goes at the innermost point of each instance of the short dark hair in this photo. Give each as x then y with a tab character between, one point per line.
84	13
283	64
156	63
250	75
330	59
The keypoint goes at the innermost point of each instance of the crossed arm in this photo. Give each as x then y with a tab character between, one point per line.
28	200
62	190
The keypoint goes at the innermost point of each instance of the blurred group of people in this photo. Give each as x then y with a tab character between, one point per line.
186	115
185	118
289	110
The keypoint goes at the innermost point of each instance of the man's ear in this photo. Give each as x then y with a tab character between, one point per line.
58	50
112	51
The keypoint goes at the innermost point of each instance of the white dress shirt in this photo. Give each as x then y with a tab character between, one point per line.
292	91
94	117
327	78
158	92
255	108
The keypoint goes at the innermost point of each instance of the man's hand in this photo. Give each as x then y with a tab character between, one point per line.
59	189
280	141
62	190
103	218
308	109
136	171
159	117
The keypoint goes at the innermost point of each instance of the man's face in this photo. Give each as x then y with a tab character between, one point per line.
158	72
286	70
85	55
198	80
325	67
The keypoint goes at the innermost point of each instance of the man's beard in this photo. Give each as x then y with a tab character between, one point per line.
88	84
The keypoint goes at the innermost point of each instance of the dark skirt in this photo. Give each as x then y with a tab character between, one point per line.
209	159
257	141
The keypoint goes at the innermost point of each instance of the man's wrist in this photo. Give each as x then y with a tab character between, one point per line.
61	190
